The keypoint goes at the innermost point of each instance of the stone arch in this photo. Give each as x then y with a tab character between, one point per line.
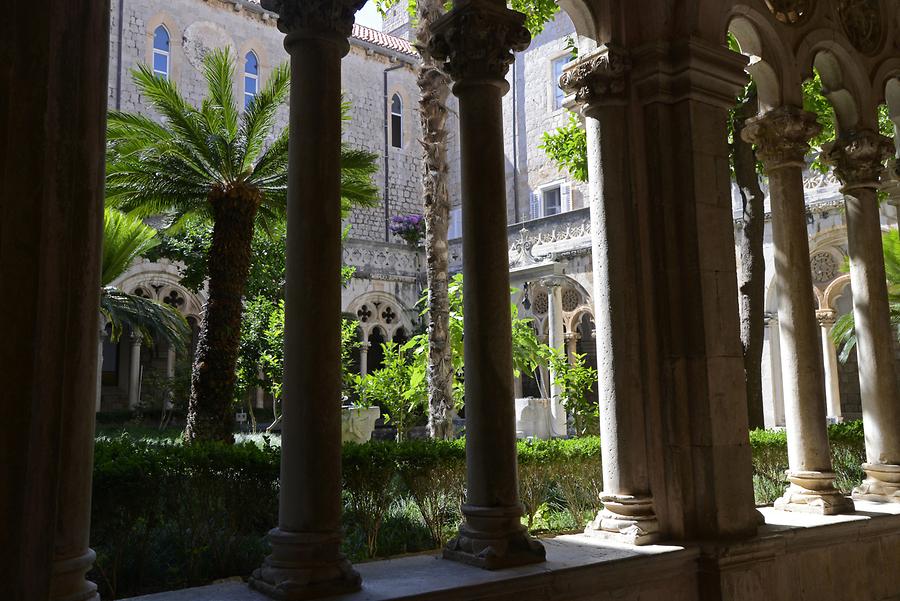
846	86
834	290
380	309
160	279
770	62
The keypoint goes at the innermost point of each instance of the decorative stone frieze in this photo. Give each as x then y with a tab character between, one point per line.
320	18
862	22
476	40
788	11
598	76
782	135
858	158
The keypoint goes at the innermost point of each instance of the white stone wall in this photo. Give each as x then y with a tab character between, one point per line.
196	25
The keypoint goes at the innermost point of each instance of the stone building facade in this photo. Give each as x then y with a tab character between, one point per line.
379	83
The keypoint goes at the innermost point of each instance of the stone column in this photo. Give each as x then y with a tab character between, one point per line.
170	373
782	139
556	340
306	561
364	357
599	83
826	319
858	163
473	41
134	372
775	363
101	339
572	339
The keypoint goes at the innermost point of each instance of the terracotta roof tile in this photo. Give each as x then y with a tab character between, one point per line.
378	38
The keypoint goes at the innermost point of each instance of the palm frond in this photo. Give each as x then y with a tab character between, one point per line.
260	114
843	334
125	238
218	69
148	317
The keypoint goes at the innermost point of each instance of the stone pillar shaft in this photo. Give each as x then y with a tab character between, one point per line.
101	338
829	359
306	560
556	341
599	82
492	535
134	373
858	163
782	139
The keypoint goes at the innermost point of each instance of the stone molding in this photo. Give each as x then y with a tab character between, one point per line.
858	158
782	136
598	76
475	42
315	18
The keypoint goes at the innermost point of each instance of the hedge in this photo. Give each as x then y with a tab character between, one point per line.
167	516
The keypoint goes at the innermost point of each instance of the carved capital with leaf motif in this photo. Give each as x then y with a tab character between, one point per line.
782	136
475	42
858	158
327	19
597	77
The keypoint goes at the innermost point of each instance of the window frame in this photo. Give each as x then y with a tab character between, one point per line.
557	95
166	53
538	200
254	77
396	130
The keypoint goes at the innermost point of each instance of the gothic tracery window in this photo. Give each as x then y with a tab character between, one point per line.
251	78
161	52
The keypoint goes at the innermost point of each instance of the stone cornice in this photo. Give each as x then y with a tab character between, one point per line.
598	77
475	42
858	158
782	136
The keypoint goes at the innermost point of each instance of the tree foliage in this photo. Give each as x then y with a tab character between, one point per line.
567	147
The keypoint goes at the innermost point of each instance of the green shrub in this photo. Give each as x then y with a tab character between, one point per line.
167	516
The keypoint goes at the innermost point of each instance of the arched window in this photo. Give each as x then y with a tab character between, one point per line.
161	52
396	121
251	78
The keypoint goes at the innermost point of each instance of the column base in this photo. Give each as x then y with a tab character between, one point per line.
626	519
882	484
493	538
68	582
813	492
304	566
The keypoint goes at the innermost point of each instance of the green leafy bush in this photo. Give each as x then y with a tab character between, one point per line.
167	516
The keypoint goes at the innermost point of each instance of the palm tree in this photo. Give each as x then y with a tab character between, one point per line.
126	238
214	163
844	331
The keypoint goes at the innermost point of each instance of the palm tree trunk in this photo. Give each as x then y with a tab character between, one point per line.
434	88
751	280
210	409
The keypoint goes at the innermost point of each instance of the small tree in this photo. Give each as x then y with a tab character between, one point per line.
398	388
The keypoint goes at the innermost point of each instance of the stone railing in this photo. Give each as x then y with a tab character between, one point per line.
383	260
565	233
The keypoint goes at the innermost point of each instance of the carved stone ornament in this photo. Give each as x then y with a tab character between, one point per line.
824	267
788	11
782	135
325	18
475	41
858	158
861	20
598	75
826	317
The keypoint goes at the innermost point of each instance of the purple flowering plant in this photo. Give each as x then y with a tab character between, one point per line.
409	227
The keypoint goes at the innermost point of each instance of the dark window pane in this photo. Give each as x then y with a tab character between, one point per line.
552	202
396	131
396	105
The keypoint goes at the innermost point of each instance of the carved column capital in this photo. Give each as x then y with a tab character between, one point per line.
826	317
599	76
858	158
365	346
475	42
328	19
782	136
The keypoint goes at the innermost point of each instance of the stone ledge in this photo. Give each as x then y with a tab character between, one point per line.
841	557
570	572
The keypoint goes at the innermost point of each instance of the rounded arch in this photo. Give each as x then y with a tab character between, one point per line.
170	26
844	79
161	281
834	290
770	61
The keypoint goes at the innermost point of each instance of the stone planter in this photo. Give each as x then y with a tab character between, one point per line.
357	423
534	418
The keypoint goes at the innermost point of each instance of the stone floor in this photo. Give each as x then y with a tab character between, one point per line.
796	556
